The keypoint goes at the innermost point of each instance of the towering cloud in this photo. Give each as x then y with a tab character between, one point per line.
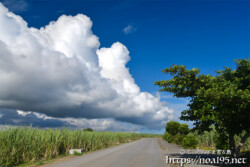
59	70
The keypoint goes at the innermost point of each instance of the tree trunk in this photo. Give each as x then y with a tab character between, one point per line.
243	140
236	150
232	145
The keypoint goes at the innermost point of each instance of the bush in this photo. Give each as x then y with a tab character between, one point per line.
179	138
168	137
189	142
172	127
183	129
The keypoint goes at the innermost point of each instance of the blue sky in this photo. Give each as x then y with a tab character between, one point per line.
203	34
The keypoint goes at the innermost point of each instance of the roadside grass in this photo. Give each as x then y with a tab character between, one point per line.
43	162
26	146
63	157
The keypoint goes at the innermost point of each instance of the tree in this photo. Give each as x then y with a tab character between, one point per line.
184	129
88	130
222	100
172	127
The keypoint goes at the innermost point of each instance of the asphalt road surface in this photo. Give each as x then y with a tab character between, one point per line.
150	152
140	153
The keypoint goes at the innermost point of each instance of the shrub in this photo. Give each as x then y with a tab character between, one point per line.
189	142
168	137
179	138
183	129
172	127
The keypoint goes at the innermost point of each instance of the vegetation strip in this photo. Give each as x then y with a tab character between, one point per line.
25	145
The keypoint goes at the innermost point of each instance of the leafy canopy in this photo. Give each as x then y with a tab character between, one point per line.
172	127
88	130
183	129
222	100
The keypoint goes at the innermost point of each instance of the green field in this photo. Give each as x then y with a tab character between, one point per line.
25	145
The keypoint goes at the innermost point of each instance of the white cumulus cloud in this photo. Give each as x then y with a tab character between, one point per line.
60	71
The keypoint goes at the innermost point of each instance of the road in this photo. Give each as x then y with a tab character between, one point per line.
140	153
149	152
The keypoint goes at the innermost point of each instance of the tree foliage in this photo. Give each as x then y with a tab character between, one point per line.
172	127
88	130
222	100
183	129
